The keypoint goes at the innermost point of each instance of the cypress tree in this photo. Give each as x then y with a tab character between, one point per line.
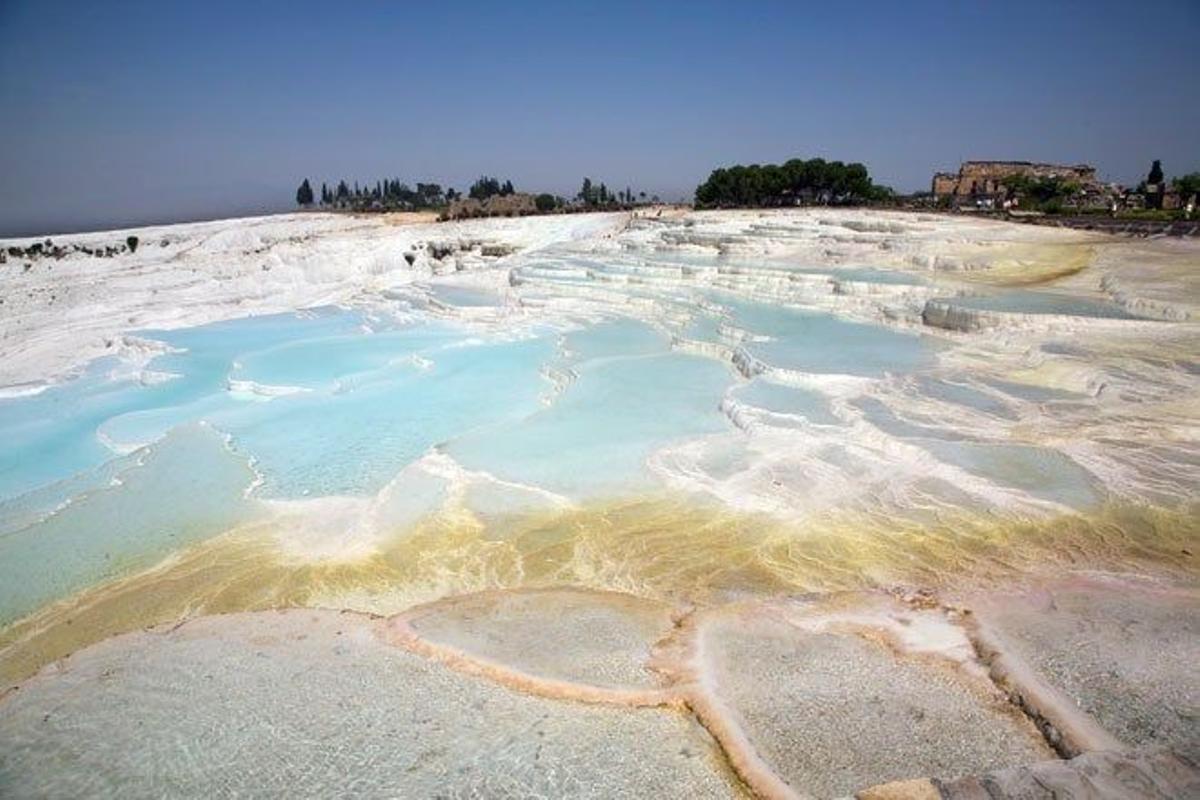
304	195
1156	173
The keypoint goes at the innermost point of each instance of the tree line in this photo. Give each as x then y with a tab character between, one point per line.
390	194
593	196
386	194
795	182
488	186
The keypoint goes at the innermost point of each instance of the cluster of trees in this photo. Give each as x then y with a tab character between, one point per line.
795	182
391	194
1053	195
1188	185
1045	194
387	194
487	187
594	196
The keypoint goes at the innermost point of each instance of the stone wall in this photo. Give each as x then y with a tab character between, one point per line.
976	178
944	183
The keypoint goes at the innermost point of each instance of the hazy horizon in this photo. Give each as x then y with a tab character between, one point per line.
149	113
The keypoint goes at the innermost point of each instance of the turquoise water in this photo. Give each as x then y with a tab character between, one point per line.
632	395
964	395
816	342
780	399
1022	301
103	474
1040	472
141	507
465	296
115	469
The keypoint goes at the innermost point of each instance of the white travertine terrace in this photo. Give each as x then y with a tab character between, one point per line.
993	410
804	698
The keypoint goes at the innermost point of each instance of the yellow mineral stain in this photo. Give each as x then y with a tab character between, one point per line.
1026	264
662	548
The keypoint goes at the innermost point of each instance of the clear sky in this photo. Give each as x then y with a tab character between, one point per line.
122	112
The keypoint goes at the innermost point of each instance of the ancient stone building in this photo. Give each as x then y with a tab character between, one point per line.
944	183
986	178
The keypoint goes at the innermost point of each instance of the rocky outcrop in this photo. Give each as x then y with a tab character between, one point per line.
938	314
48	249
510	205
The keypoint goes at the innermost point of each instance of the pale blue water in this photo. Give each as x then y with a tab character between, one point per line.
186	488
1025	301
1038	471
102	475
872	275
886	420
336	441
812	341
813	406
965	395
465	296
632	395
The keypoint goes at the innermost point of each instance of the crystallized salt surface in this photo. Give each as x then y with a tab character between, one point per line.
314	704
598	638
832	711
1124	652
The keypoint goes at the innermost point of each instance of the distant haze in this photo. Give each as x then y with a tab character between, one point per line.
123	113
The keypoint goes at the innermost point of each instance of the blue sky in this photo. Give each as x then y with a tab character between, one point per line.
130	111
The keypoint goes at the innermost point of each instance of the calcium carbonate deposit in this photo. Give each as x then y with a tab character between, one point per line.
670	504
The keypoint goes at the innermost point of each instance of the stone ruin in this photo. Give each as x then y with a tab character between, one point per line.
976	179
518	204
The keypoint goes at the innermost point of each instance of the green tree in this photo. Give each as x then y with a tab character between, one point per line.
1046	194
304	195
794	182
586	193
1156	173
545	202
1187	185
484	188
